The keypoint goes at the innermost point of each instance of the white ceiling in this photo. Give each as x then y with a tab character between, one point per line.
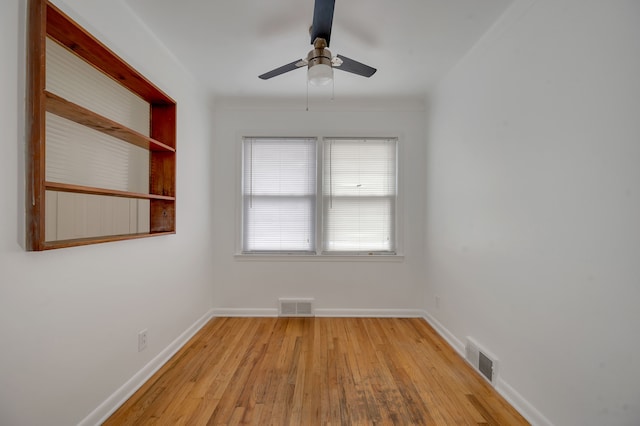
227	44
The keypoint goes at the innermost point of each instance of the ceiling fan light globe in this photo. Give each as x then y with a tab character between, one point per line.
320	74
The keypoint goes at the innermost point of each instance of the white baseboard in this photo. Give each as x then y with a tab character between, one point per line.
451	339
373	313
526	409
111	404
245	312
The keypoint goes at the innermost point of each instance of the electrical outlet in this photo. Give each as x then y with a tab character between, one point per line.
142	340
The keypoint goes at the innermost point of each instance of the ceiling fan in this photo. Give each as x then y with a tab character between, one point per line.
319	61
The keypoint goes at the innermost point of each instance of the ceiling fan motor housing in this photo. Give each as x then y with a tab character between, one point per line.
320	67
319	56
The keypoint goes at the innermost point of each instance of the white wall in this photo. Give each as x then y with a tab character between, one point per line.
69	318
339	287
533	206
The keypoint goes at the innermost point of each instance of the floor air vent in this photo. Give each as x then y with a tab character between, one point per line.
296	307
482	360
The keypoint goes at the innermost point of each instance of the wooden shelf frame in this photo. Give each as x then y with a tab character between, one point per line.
45	20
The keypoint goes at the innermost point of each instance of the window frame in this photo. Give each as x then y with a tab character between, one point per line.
312	198
319	254
394	207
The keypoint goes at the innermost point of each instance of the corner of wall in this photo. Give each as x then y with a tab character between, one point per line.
524	407
120	396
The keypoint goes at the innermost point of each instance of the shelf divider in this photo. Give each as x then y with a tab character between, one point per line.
80	189
74	112
48	245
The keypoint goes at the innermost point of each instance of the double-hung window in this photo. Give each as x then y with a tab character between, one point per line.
279	195
342	201
359	195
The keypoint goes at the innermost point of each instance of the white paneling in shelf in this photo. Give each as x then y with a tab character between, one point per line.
75	80
82	156
71	215
51	216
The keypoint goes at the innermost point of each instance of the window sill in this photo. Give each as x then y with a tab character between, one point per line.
266	257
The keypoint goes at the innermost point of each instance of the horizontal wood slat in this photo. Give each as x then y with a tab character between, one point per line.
65	187
66	109
48	245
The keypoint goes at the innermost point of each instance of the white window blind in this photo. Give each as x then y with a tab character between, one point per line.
359	195
278	194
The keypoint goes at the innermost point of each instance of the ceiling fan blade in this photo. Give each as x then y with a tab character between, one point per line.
354	67
281	70
322	20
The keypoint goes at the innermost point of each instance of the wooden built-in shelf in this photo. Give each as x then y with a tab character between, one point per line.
74	112
46	21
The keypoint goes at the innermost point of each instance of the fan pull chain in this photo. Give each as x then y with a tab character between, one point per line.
307	94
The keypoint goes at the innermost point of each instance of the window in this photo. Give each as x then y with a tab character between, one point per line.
359	195
352	205
279	195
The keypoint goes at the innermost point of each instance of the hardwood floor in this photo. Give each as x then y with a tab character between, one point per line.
316	371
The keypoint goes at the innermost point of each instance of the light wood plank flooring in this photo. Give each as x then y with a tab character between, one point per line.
316	371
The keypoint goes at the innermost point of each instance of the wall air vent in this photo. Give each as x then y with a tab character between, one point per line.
482	360
295	307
